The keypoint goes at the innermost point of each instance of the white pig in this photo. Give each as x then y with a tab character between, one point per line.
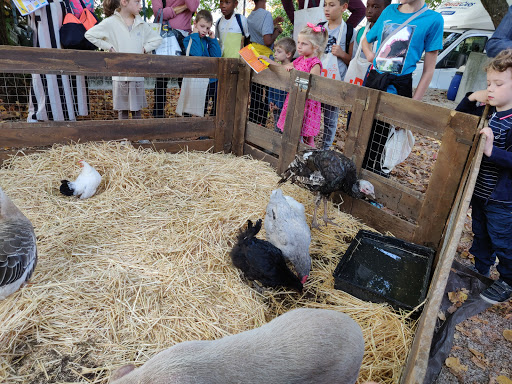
304	345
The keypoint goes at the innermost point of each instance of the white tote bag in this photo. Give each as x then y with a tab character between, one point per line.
358	66
193	94
169	45
330	67
301	17
397	148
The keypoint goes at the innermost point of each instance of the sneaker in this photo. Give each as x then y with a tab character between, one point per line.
498	292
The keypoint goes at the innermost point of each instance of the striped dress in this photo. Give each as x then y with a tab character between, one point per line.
54	97
488	175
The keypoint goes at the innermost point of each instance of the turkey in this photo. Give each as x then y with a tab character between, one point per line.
262	261
324	172
18	253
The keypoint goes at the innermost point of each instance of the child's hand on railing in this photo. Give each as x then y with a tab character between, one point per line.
111	49
289	67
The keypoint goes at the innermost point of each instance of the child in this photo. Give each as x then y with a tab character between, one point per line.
263	31
337	55
124	31
492	197
284	49
374	9
203	43
310	45
231	31
394	64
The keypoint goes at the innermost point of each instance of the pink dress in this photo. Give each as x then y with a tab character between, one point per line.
313	109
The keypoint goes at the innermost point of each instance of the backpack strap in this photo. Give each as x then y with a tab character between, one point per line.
350	33
239	21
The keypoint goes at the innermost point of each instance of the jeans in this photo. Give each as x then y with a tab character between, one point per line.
330	124
492	226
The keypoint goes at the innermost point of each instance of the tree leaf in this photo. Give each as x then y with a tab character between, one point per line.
454	364
503	380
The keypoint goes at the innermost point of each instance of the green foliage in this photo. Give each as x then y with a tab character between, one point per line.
433	4
276	8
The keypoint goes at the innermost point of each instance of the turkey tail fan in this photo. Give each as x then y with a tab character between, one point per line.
64	188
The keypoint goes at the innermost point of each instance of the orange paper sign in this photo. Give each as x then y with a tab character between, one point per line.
250	55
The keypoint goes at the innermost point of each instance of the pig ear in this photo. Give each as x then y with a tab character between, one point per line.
123	371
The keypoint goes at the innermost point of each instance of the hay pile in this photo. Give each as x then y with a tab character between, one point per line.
144	264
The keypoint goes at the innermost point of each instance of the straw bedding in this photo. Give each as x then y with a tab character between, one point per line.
145	264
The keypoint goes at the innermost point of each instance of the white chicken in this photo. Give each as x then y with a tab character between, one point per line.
85	184
287	229
18	253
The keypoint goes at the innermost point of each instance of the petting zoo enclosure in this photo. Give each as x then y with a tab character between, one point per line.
427	216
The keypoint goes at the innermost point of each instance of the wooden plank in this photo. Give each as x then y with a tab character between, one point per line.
394	195
241	108
365	117
275	76
375	217
441	189
40	60
40	134
359	109
336	93
263	137
294	116
417	361
225	104
255	153
435	120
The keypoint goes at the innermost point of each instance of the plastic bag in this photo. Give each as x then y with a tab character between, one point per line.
397	148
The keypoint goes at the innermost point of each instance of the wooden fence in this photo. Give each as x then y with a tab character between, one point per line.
421	217
433	218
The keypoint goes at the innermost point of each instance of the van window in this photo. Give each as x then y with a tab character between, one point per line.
448	39
459	55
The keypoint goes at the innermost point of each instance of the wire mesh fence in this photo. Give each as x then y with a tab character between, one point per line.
70	97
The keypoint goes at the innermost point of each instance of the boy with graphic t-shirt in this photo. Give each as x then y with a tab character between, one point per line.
337	56
394	63
231	29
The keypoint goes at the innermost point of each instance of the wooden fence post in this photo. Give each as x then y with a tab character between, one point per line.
299	90
241	108
225	104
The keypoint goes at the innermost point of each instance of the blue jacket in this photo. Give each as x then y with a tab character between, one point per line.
501	157
205	47
502	37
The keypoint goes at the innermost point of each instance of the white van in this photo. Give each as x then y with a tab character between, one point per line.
467	27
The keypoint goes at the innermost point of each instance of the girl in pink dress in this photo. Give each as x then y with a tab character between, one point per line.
310	45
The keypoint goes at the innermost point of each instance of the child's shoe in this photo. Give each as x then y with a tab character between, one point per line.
498	292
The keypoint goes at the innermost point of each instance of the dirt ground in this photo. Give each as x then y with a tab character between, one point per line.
482	347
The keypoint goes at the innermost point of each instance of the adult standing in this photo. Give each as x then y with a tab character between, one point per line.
264	31
54	97
355	7
178	14
501	38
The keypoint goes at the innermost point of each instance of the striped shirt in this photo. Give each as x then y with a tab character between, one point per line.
500	123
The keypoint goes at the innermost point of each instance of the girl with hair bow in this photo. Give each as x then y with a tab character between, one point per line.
310	46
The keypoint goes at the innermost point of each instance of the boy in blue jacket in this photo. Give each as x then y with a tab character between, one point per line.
492	197
201	42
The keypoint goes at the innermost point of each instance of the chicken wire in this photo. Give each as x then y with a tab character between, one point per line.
266	108
415	171
71	97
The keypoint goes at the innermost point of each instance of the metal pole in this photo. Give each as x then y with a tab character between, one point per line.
144	8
